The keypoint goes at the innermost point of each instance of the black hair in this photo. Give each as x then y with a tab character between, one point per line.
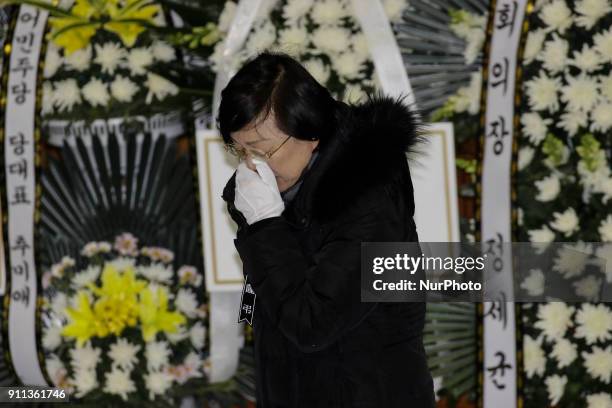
303	108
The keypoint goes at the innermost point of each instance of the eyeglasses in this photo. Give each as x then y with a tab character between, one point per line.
241	153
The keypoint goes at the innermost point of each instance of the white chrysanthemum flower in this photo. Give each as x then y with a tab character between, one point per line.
47	98
122	263
348	66
187	302
394	9
294	38
262	38
572	121
548	188
535	360
52	337
556	15
605	187
197	335
157	272
580	93
604	251
123	354
554	56
542	92
566	222
588	288
598	363
601	117
90	249
56	369
328	12
543	235
109	56
564	352
227	16
535	127
587	60
539	3
158	254
605	229
84	357
157	383
189	275
295	9
360	45
533	45
157	354
572	259
53	60
66	94
118	382
318	69
159	87
555	386
602	44
594	323
162	51
534	283
525	155
554	319
59	304
126	244
139	59
332	40
599	400
95	92
79	60
84	381
86	276
590	11
122	89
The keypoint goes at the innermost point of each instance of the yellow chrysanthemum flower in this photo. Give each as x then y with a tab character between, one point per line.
83	321
154	314
74	31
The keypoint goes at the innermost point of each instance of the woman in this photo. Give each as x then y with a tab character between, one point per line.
318	177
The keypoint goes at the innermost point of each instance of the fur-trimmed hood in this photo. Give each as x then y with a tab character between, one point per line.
368	149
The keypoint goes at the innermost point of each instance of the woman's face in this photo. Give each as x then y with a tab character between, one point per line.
287	162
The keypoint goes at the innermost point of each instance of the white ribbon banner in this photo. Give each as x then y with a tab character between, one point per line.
499	342
386	55
19	153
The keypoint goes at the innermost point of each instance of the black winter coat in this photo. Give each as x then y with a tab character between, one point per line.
316	344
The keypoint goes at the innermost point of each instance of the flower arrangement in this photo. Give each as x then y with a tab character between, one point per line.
323	35
566	125
565	182
122	326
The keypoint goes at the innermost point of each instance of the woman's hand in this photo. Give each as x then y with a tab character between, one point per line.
257	196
